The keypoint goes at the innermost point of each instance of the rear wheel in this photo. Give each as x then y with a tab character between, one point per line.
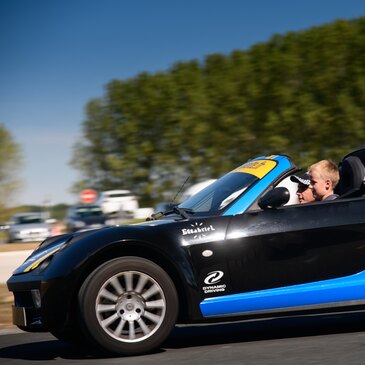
128	306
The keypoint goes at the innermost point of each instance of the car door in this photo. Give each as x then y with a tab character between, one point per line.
292	258
280	247
295	245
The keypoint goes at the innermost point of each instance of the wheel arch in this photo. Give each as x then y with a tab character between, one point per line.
139	249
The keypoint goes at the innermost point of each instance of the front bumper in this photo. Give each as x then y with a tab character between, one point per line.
27	307
38	305
28	319
19	316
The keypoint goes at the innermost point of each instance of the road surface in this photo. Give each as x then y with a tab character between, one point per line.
314	340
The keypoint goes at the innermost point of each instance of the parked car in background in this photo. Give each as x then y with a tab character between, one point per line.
85	217
116	201
28	227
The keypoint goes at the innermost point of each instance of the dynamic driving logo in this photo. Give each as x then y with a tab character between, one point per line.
211	280
213	277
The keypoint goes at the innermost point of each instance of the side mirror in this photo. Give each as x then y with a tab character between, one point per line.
274	198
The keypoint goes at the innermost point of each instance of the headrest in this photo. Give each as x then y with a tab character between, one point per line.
352	174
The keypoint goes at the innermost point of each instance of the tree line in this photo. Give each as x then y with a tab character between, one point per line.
10	161
301	94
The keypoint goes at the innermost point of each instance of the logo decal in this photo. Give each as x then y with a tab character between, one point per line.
258	168
211	281
198	230
213	277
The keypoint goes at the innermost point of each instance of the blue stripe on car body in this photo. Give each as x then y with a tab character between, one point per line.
348	288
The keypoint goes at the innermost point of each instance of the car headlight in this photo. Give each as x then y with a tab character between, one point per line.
35	260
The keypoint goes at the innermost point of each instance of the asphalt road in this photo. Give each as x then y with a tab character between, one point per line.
312	340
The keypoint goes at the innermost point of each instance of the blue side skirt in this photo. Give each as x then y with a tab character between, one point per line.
332	291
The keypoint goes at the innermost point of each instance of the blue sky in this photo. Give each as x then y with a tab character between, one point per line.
56	55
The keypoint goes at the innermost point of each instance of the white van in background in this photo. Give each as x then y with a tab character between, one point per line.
117	201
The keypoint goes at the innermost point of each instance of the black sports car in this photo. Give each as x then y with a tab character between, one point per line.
241	248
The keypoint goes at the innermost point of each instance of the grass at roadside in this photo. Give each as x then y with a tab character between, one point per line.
6	301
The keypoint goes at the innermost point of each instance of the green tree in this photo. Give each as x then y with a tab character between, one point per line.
301	93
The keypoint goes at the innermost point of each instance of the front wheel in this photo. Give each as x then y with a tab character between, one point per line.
128	306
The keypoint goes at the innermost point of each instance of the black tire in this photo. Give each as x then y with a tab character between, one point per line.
128	306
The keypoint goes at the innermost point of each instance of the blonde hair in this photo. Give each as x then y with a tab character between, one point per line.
327	170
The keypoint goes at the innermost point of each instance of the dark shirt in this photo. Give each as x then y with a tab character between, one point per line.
332	197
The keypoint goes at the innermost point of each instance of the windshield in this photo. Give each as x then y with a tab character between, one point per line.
221	193
118	195
28	219
91	211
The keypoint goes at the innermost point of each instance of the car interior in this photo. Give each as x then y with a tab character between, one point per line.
351	184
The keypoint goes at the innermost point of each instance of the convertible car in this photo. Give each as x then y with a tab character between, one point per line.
242	248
